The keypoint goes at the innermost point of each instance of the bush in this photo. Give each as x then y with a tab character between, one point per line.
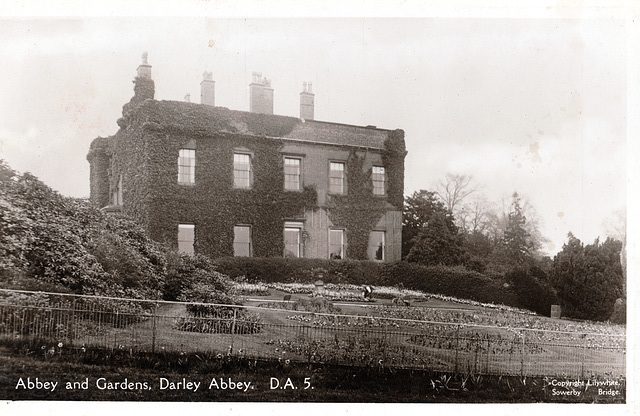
533	289
450	281
299	270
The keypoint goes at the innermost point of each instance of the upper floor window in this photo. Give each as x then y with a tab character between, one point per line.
187	166
336	177
242	240
292	173
376	245
336	244
378	177
186	238
242	174
293	239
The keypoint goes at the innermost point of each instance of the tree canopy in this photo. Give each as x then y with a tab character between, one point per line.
588	278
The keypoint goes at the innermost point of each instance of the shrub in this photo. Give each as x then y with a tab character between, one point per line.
533	289
300	270
451	281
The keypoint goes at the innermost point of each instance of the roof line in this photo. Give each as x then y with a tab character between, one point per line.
343	124
324	143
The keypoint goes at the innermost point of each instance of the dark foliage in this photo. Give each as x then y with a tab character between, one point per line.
435	244
533	289
53	243
419	209
589	278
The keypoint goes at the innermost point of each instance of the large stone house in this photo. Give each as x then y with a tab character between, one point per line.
220	182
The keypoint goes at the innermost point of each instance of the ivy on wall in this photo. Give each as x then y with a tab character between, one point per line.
145	152
359	210
393	160
212	203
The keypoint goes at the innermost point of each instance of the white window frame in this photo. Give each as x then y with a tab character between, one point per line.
187	166
298	175
378	180
247	246
186	246
342	251
296	227
239	182
337	178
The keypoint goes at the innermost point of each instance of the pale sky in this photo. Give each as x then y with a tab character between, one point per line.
533	105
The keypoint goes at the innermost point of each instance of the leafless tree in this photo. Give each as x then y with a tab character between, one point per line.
616	227
454	189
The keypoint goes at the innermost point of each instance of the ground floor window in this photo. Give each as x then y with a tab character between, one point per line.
293	239
186	238
242	241
336	244
376	245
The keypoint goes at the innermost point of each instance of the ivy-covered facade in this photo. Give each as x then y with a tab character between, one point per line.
220	182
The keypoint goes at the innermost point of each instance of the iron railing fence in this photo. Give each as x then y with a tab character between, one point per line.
267	332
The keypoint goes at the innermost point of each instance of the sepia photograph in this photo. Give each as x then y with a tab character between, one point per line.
279	202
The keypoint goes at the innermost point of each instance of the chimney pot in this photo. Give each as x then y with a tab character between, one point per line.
208	89
187	98
260	95
307	102
144	70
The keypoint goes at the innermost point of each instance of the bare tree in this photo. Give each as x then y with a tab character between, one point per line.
454	189
616	227
476	214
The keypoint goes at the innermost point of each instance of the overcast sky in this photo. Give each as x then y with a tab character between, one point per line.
538	106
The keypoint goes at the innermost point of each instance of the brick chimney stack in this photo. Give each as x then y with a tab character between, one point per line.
260	95
208	89
144	87
144	70
307	102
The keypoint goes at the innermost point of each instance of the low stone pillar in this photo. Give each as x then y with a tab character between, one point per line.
556	311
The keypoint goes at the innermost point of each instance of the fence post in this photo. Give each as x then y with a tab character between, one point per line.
584	354
457	346
153	334
522	357
233	326
486	369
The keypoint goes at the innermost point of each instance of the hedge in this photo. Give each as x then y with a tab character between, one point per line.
449	281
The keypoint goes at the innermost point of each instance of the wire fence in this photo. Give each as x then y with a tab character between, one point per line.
301	336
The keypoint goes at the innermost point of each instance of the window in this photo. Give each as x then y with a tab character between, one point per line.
336	177
336	244
292	172
242	241
187	166
377	176
376	245
293	239
242	170
186	238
